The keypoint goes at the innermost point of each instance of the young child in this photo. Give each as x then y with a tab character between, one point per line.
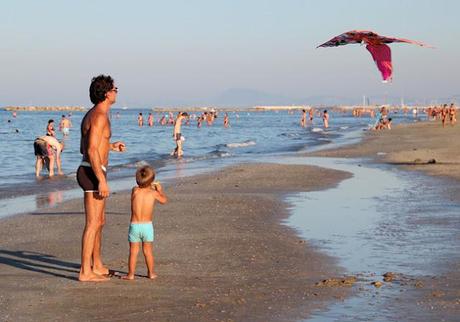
143	199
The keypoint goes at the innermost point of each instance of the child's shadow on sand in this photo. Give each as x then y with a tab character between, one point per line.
37	262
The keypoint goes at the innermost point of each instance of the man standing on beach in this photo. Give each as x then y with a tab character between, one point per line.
91	175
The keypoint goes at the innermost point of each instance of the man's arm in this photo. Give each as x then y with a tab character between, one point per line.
98	124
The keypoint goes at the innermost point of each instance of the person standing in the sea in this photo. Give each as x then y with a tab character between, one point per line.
150	119
91	175
140	119
303	118
325	119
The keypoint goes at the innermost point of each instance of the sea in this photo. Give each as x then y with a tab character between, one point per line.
251	136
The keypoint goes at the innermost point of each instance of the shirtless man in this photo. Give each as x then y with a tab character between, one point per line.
326	119
65	125
91	175
177	136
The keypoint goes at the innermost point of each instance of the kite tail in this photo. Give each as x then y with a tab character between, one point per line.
382	58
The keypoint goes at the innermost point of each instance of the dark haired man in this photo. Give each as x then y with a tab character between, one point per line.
91	175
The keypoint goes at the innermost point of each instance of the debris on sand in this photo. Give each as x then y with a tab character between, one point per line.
337	282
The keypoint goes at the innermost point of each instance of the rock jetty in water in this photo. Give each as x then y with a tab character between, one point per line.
45	108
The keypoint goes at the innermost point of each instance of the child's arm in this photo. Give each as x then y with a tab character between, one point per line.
159	194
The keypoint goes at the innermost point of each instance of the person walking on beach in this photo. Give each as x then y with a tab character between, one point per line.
177	135
452	114
141	230
91	175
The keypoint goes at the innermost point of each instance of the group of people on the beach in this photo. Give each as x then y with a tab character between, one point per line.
442	112
91	175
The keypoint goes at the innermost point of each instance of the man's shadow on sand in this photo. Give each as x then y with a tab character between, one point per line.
37	262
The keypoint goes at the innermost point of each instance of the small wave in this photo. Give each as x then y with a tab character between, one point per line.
240	144
344	127
209	156
290	135
317	129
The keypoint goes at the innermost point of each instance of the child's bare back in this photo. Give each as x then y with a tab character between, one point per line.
143	202
141	231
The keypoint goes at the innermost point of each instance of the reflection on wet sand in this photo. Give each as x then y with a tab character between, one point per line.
50	199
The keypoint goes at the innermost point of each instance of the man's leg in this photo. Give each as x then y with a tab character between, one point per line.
98	267
94	207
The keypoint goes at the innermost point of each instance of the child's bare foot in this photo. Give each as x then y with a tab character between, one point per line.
128	277
153	276
92	277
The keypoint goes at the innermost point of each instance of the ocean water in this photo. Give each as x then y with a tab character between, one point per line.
251	136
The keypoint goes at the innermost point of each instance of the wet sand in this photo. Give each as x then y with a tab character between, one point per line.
221	255
424	146
427	148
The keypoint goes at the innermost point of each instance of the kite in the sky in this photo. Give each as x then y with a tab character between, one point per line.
376	44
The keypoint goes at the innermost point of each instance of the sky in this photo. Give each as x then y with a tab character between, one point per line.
223	52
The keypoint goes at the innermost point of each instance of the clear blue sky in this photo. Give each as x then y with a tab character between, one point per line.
190	52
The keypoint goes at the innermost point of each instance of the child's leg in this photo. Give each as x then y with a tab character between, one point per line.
133	251
147	248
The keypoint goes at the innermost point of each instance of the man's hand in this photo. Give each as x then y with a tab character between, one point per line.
118	146
103	189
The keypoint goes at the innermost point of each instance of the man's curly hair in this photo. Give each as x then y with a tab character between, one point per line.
99	87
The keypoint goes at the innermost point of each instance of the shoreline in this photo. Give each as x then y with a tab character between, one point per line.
227	257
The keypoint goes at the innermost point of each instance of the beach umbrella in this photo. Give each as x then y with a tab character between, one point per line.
375	44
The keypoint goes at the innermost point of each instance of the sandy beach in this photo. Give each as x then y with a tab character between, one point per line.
221	255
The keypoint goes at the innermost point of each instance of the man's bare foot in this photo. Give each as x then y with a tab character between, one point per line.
128	277
93	277
152	276
101	270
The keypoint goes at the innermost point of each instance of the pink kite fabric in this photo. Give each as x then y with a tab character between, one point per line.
376	45
382	57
